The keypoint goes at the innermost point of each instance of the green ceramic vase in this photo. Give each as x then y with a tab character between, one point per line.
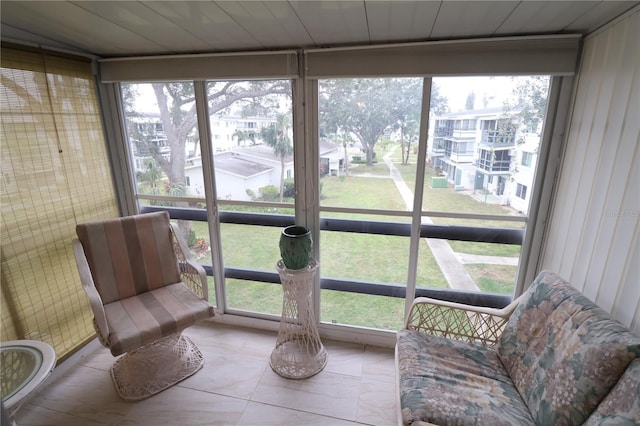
295	246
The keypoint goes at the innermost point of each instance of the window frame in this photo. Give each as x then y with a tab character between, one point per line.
305	125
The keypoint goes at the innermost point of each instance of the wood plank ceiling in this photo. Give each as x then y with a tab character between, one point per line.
128	28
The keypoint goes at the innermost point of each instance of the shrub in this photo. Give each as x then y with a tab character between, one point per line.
289	188
269	193
191	238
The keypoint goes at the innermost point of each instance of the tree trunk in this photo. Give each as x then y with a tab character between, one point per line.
369	155
174	168
346	159
281	178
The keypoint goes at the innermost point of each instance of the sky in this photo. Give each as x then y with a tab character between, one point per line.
455	89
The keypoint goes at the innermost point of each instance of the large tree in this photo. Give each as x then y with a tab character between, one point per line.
177	109
531	94
371	107
471	101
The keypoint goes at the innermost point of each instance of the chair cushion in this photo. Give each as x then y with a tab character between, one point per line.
451	382
143	319
129	255
563	353
622	404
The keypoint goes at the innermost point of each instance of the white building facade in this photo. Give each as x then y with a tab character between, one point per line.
486	152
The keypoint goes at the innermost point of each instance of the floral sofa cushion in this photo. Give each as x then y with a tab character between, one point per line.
622	404
445	381
563	353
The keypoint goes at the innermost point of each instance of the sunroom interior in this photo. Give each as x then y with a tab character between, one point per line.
241	118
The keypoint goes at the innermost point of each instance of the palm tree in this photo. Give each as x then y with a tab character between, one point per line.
150	177
277	137
240	135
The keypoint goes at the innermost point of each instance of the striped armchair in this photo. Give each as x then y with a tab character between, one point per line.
144	289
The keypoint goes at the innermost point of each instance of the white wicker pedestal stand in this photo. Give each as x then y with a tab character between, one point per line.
299	353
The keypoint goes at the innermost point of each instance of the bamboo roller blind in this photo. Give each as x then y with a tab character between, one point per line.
55	174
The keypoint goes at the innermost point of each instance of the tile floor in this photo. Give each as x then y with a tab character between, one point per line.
236	387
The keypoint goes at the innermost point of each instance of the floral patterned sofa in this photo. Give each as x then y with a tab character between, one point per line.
552	357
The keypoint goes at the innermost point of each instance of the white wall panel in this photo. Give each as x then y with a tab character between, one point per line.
627	308
564	204
592	239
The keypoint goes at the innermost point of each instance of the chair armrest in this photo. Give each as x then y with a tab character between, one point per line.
99	317
192	273
459	321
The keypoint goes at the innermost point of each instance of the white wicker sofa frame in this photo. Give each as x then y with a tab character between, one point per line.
552	357
453	321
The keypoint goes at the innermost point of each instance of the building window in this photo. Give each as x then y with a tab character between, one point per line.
521	191
526	159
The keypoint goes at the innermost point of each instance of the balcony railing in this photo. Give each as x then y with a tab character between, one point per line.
498	138
493	165
438	145
442	131
449	232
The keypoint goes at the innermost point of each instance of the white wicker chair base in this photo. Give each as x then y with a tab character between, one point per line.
155	367
298	358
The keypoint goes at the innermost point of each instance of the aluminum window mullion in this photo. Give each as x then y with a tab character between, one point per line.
311	175
399	229
119	153
418	193
366	211
551	145
206	151
450	215
392	213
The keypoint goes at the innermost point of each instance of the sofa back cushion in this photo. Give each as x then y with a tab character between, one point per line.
622	405
130	255
563	353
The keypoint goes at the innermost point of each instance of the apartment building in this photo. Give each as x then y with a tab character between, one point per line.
487	152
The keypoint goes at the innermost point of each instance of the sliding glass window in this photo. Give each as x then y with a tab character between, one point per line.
368	139
252	139
164	148
251	143
480	150
481	128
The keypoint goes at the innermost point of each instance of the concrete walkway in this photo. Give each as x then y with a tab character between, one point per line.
450	265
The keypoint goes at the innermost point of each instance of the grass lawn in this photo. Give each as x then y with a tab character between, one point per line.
254	296
493	278
447	200
360	192
363	310
485	249
377	169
